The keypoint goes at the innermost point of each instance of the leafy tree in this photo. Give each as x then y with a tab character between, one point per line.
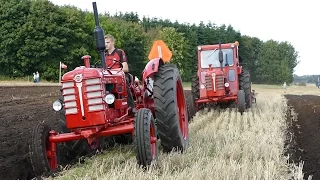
13	15
36	35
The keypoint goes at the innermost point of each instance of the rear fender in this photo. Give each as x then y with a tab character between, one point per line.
151	68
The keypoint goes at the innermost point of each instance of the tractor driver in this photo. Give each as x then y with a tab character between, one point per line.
118	54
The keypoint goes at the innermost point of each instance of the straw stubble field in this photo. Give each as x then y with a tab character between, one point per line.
223	145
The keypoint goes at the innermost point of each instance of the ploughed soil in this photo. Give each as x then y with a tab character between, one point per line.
306	130
22	108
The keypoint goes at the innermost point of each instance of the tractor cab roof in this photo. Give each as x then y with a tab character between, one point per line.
214	46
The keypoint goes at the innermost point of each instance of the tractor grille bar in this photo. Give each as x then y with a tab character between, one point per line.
209	84
219	82
94	94
69	96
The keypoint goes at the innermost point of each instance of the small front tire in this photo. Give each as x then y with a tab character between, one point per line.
145	138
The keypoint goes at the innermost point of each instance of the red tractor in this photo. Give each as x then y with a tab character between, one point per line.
94	106
220	79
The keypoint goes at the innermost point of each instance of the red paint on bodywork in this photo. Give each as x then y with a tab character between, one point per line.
211	75
86	117
151	67
86	60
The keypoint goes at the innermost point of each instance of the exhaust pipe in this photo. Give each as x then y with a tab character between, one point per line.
99	37
220	55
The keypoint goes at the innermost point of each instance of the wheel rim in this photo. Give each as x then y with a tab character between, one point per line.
153	140
183	120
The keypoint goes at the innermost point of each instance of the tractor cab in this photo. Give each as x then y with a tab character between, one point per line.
220	79
218	68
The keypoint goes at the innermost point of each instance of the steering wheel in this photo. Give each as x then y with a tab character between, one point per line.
116	61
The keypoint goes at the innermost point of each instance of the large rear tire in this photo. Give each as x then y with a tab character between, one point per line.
145	138
245	85
171	109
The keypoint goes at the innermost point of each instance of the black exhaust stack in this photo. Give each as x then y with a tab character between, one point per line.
99	37
220	55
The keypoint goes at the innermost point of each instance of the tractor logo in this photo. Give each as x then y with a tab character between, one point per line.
78	78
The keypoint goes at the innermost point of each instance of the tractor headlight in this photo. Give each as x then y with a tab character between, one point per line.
226	84
57	105
202	86
109	98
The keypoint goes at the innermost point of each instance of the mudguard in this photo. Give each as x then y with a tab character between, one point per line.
151	67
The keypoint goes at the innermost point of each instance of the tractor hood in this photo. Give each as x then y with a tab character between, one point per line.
82	73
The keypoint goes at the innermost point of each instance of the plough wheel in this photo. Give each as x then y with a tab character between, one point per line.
145	138
171	109
42	162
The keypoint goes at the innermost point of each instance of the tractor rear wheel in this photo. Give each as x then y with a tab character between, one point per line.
170	109
41	161
145	138
241	101
195	91
245	85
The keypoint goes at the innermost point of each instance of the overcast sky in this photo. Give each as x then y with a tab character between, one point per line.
282	20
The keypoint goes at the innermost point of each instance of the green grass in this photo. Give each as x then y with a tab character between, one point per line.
24	79
186	84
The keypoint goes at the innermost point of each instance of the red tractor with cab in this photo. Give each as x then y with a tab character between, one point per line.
94	106
220	79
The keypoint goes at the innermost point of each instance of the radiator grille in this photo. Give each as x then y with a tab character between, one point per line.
69	95
208	83
219	82
92	90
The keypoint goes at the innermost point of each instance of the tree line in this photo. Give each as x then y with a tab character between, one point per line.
36	35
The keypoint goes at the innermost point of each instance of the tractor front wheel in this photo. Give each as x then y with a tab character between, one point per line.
171	109
42	158
145	138
195	91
